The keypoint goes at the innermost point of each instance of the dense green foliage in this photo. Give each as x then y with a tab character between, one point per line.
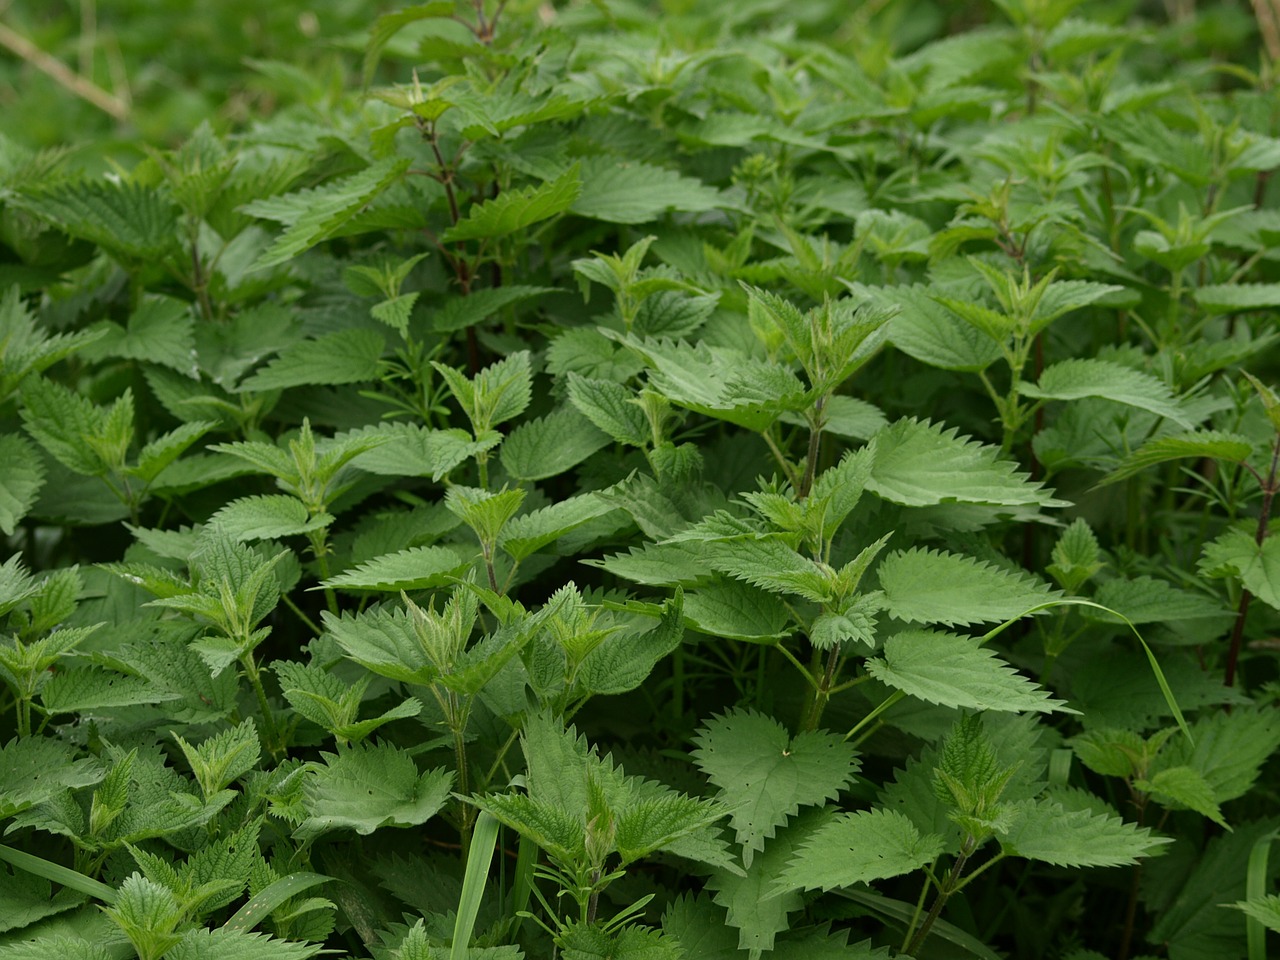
704	480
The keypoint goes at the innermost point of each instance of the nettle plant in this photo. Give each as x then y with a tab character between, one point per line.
708	482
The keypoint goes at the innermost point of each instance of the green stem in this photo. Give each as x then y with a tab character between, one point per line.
815	440
297	611
252	673
888	702
949	886
822	694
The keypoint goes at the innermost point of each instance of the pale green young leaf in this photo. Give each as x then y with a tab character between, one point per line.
1201	444
515	210
558	830
458	313
1063	296
858	848
365	787
846	417
1110	752
1090	377
148	914
551	445
524	535
345	356
651	823
1043	830
484	512
267	517
55	947
771	564
956	671
929	332
1266	910
386	26
757	916
1182	786
417	568
624	660
496	394
618	191
918	463
767	774
155	457
128	220
220	760
852	620
583	941
21	477
315	215
16	584
1076	556
928	586
608	405
997	327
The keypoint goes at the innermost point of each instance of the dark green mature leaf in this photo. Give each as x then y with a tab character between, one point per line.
1238	297
514	210
608	405
768	774
956	671
928	586
384	641
311	216
919	463
458	313
1229	750
58	947
161	330
25	898
224	944
365	787
409	450
1236	553
551	445
35	769
526	534
1203	443
127	219
619	191
21	477
726	608
858	848
623	661
347	356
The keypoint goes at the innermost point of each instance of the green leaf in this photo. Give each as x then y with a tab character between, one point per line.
551	445
161	330
90	690
858	848
21	477
515	210
409	450
225	944
1237	553
1147	600
956	671
1183	787
128	220
36	769
268	517
56	947
155	457
389	24
623	661
1076	556
665	564
929	332
65	424
1229	750
346	356
918	463
609	406
928	586
365	787
417	568
1043	830
1077	378
25	899
771	564
223	758
475	308
1266	910
1238	297
750	909
768	774
528	533
1200	444
261	904
384	641
312	216
736	611
618	191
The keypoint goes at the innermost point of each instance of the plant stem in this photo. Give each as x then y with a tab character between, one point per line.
254	676
815	440
1237	631
948	886
822	694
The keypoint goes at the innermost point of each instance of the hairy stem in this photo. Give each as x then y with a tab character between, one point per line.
1237	630
948	887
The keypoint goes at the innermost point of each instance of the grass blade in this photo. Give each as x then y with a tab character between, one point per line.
483	841
267	899
58	874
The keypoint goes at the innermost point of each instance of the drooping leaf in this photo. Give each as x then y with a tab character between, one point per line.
919	463
1043	830
346	356
768	774
365	787
1204	443
1090	377
928	586
956	671
858	848
269	517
